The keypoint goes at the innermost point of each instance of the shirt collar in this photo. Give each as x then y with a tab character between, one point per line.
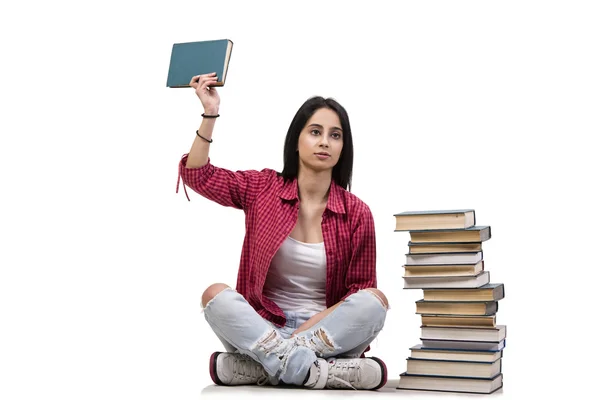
335	201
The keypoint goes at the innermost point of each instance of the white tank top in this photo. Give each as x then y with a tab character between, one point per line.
297	276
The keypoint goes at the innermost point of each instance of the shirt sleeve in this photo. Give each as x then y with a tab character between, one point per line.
229	188
361	271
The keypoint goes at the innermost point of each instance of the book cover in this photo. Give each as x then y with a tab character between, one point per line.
462	333
462	344
478	233
487	292
198	58
429	282
456	307
443	247
471	257
435	219
450	383
436	212
440	270
467	369
418	351
454	321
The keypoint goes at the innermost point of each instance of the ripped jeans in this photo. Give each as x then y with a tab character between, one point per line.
345	332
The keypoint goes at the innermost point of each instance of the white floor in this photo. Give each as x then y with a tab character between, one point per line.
267	392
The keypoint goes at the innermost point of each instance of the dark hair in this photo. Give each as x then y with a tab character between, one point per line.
342	172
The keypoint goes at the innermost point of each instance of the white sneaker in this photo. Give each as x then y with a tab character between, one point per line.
317	375
231	369
348	373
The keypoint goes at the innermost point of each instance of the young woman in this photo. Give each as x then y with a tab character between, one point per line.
306	305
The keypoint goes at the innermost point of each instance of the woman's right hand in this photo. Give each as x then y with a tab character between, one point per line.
208	95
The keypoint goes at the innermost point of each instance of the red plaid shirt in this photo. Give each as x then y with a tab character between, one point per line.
271	207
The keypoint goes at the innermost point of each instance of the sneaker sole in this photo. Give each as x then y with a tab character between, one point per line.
212	368
383	372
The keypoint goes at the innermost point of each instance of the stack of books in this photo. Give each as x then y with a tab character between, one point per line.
461	345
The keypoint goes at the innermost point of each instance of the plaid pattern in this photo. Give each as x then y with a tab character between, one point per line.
271	206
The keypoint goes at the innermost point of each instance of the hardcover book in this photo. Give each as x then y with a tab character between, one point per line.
468	369
441	270
457	307
461	333
444	258
472	234
199	58
463	344
435	219
487	292
469	321
436	282
418	351
450	384
443	247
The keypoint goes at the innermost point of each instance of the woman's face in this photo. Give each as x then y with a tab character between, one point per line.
321	141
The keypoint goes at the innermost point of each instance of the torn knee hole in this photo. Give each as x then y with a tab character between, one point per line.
383	303
269	342
270	336
320	333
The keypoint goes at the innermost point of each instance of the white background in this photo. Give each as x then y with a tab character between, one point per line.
453	104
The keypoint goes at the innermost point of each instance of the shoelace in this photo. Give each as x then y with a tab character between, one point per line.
344	368
263	380
247	369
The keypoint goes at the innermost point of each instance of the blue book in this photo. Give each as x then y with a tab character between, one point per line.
198	58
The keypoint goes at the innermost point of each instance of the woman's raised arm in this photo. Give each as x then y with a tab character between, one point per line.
198	155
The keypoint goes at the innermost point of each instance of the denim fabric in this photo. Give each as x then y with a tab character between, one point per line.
345	332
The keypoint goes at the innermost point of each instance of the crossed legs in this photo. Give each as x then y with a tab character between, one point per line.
346	331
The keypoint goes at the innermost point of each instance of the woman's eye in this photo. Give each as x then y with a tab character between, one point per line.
315	132
336	135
